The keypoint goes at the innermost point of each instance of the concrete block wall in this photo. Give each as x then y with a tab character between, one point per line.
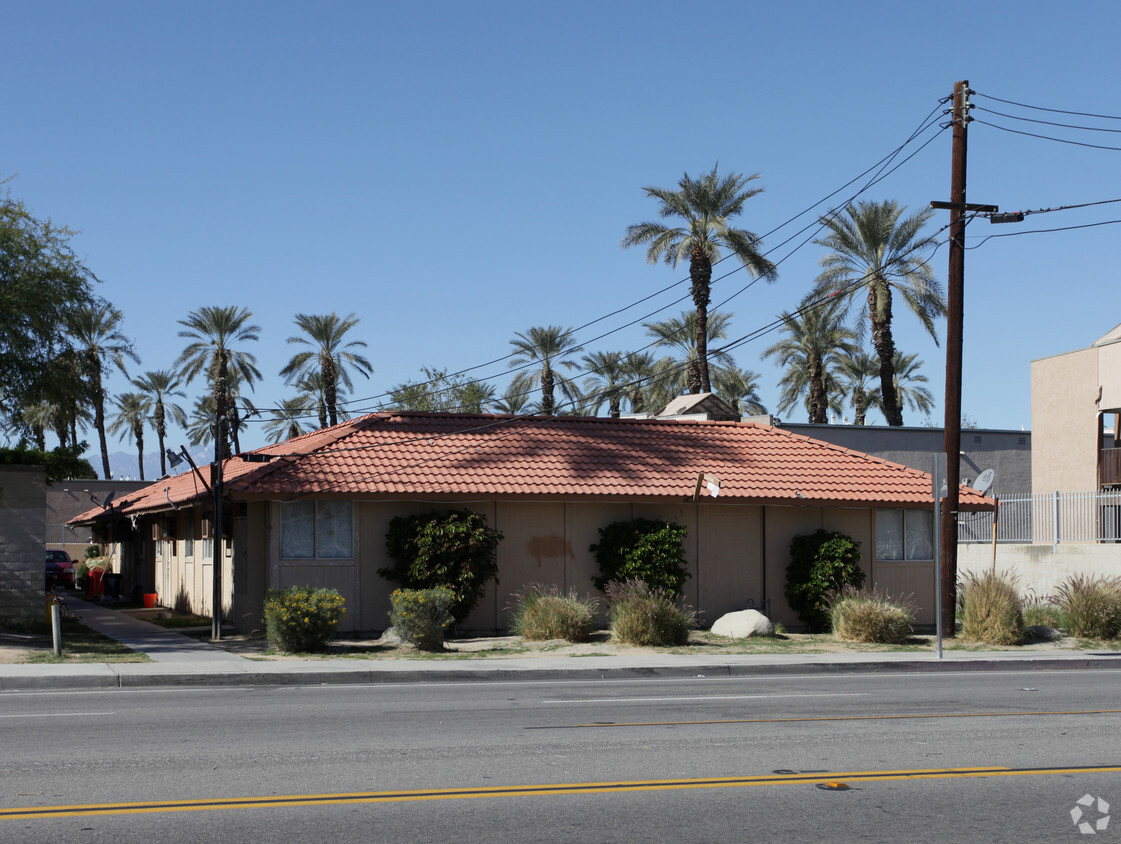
23	529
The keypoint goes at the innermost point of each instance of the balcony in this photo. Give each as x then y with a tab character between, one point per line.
1111	467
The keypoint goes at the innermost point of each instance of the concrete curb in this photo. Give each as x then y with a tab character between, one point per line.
141	675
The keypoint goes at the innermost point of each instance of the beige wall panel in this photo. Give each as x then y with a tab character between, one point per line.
782	525
904	579
582	525
1109	375
1064	392
730	555
534	550
858	525
373	518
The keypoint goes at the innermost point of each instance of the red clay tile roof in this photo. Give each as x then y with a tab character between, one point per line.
388	456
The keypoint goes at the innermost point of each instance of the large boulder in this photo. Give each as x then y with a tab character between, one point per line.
743	625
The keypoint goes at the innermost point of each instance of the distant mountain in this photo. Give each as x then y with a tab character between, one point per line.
123	463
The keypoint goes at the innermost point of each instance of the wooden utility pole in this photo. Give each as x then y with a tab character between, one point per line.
955	289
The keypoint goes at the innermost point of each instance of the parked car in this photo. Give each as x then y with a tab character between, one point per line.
60	568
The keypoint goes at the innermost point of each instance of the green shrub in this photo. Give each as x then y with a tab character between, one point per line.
643	615
420	616
1092	605
453	549
870	616
990	609
542	612
93	551
820	563
1038	612
641	549
302	618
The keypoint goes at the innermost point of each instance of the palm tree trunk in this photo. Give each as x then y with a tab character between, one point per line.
330	388
161	431
138	433
817	391
879	308
221	397
547	391
860	405
637	403
98	396
700	272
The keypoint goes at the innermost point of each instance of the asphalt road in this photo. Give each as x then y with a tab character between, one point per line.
916	757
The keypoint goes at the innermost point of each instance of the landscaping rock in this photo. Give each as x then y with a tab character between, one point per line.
743	625
1041	633
390	637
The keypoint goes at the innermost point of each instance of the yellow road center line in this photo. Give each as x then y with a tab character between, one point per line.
298	800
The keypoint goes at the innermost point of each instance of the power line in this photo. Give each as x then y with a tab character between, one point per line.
1052	110
1065	207
1047	122
1043	231
1048	137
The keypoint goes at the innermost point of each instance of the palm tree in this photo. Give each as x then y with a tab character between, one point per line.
815	341
606	382
740	388
100	342
286	421
705	206
856	371
679	333
129	422
513	401
638	373
310	386
214	331
550	347
908	384
330	355
872	246
158	388
200	424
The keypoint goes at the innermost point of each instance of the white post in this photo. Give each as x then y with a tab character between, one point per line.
56	628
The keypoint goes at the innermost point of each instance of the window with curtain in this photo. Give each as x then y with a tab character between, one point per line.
317	530
904	535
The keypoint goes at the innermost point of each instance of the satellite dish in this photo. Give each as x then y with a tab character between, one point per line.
985	480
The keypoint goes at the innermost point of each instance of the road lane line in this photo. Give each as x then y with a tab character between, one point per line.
57	714
544	790
703	698
601	725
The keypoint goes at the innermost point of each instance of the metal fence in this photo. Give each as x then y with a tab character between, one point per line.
1054	517
59	535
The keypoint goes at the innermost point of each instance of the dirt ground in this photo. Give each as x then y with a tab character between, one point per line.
17	647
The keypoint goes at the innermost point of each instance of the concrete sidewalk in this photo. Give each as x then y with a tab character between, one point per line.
182	661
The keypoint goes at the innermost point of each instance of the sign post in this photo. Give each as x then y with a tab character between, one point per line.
936	490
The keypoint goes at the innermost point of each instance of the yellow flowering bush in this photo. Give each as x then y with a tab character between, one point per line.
420	616
302	618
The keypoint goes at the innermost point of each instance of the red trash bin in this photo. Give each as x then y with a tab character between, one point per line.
94	587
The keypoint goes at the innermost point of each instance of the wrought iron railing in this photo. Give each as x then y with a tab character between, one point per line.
1055	517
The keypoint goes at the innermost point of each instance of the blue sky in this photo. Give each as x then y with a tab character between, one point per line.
453	173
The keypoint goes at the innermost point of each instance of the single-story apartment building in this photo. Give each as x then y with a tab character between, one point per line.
317	512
